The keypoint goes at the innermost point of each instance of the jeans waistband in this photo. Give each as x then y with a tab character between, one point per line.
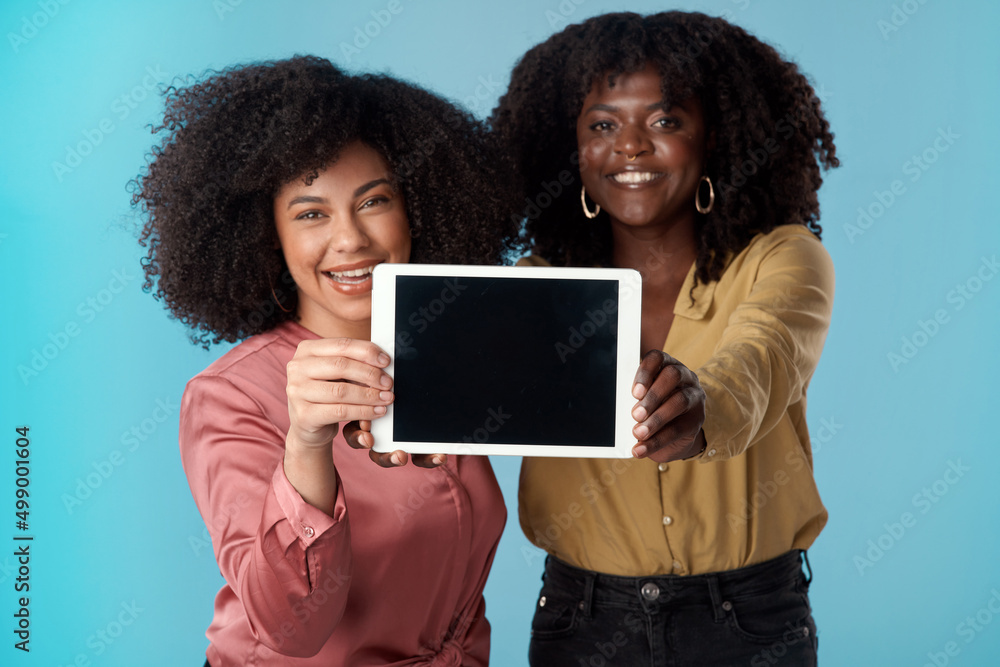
655	591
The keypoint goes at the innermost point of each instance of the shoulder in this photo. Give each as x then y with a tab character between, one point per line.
793	235
258	363
784	247
242	392
789	238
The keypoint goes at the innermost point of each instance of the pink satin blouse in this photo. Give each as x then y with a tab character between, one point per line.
395	577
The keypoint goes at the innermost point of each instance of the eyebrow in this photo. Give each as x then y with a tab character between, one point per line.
371	184
306	199
612	109
312	199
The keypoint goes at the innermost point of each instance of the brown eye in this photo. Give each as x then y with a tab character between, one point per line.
375	201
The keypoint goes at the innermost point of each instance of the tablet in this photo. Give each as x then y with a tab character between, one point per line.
530	361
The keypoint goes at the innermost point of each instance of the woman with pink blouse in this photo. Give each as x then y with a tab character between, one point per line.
276	189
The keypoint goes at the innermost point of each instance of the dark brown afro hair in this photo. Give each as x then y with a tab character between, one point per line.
767	130
232	139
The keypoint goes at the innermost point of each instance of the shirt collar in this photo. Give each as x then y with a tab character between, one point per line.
702	294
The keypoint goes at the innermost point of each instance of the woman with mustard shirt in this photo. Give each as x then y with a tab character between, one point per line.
696	152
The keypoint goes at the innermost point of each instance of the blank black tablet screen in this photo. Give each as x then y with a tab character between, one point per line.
505	360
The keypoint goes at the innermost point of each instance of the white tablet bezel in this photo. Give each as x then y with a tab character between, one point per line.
629	314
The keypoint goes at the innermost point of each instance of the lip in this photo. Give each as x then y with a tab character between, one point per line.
363	264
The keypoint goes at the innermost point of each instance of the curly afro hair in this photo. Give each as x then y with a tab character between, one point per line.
768	131
232	139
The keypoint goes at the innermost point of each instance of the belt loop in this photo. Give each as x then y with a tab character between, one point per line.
713	591
805	559
588	594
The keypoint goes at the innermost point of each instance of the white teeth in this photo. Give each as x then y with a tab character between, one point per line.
352	276
634	177
353	273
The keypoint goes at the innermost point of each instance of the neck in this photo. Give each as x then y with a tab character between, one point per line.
663	255
360	330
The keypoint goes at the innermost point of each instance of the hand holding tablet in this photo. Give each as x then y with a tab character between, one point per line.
527	361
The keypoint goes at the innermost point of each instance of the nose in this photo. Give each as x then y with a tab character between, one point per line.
632	140
347	235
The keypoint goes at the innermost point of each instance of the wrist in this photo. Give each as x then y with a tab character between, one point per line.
311	472
309	444
699	445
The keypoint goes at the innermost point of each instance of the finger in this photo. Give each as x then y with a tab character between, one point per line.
674	442
429	460
677	404
388	459
677	449
314	415
324	392
649	368
353	348
357	436
305	368
666	382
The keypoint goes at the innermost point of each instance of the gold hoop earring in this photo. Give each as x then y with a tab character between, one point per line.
583	200
711	196
278	301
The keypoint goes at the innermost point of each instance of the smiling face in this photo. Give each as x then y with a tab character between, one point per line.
334	231
640	161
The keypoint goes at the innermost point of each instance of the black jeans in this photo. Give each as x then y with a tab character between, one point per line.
757	616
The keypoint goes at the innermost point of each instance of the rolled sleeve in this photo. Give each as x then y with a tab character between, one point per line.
275	551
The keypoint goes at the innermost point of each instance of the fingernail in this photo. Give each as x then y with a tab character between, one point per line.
397	458
386	381
380	409
639	451
638	391
385	395
641	431
639	414
438	460
383	358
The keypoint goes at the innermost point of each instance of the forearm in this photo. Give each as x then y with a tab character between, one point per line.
765	358
310	470
274	549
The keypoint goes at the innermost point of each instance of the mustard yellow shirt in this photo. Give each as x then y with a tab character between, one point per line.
754	338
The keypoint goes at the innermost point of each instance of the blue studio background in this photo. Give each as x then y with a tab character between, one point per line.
901	409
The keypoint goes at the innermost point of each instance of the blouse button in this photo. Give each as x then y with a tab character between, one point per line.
308	531
541	601
662	467
667	520
711	452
